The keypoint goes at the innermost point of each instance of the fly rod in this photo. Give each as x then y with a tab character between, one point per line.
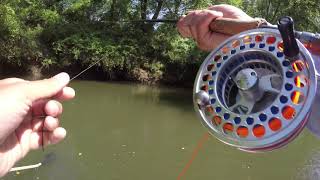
220	25
225	26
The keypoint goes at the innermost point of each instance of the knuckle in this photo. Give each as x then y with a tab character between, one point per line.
204	45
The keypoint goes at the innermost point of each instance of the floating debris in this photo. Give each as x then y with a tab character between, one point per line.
79	154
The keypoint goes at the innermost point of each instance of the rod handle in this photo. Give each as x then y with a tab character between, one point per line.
231	27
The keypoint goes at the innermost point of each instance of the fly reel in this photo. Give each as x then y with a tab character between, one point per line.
254	92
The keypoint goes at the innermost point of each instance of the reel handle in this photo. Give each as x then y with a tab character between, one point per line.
286	28
231	27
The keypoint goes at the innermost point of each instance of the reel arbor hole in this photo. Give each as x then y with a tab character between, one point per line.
297	97
259	131
242	131
298	66
247	40
300	81
288	112
275	124
228	128
216	120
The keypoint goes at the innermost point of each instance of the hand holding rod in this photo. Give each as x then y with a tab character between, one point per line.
231	27
227	26
285	25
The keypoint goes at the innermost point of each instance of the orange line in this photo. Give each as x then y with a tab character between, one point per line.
195	152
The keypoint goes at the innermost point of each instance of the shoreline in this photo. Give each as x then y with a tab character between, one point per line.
33	72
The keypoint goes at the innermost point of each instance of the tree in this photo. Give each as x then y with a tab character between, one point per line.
53	35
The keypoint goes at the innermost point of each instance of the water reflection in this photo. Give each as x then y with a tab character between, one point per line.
177	98
126	131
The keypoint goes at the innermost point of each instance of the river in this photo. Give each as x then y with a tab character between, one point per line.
128	131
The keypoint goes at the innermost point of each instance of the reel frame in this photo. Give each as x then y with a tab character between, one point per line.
224	123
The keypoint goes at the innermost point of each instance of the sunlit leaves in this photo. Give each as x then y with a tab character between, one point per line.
10	24
61	33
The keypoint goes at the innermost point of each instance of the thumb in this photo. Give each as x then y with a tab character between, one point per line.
46	88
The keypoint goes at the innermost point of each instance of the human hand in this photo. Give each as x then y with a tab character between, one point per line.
196	24
23	104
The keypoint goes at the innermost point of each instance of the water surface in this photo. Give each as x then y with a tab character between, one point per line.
126	131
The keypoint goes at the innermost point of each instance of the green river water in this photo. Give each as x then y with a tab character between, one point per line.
127	131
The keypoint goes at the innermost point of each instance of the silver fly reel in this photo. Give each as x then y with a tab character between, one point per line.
250	95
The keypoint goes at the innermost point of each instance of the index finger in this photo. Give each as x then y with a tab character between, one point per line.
66	93
183	29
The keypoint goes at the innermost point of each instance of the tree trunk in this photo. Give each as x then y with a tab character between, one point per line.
147	28
112	10
143	6
158	9
177	7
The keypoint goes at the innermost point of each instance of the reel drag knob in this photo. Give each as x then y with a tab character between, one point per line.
246	79
247	82
252	96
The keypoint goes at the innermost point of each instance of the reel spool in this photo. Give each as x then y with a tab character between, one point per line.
250	95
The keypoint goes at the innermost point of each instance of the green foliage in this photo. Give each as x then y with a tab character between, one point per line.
306	13
10	25
65	33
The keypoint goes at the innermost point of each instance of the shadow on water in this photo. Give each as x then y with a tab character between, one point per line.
175	97
49	158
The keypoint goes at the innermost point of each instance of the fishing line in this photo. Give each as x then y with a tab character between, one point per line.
173	21
195	152
74	77
83	71
14	169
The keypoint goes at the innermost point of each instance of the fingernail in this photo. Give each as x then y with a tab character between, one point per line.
63	78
